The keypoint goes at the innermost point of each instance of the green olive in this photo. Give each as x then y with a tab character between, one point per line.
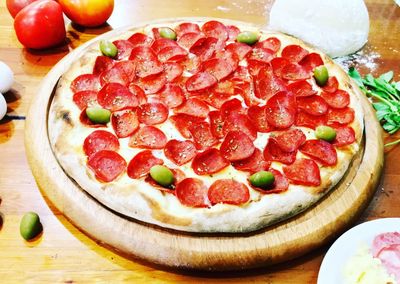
321	75
247	37
167	33
262	179
30	226
325	133
98	115
108	48
162	175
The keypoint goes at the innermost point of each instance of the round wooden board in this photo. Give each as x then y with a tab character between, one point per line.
284	241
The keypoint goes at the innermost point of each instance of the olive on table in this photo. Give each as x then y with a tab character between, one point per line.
321	75
30	226
98	115
326	133
162	175
166	32
247	37
262	179
108	48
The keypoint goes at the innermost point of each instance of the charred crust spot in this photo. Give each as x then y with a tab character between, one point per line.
65	116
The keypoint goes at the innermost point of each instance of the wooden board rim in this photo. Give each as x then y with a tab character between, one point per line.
174	249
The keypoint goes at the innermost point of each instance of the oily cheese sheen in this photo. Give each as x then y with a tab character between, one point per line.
317	22
140	199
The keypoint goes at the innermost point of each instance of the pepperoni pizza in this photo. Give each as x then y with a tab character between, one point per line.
212	110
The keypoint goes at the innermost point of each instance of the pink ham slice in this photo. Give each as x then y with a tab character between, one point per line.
386	247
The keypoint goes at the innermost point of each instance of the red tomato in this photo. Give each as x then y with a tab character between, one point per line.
14	6
88	13
40	25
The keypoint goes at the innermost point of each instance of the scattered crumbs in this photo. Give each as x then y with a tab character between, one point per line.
249	7
223	8
364	58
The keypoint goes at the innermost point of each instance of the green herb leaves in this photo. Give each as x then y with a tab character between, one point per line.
387	98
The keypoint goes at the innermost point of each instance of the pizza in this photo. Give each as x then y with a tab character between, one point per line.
206	126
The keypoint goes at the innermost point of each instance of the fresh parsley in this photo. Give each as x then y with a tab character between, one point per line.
386	94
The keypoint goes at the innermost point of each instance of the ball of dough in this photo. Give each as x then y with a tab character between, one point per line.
6	77
338	27
3	107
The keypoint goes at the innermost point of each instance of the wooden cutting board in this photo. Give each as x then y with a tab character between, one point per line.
284	241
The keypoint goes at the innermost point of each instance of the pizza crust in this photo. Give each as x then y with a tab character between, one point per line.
138	200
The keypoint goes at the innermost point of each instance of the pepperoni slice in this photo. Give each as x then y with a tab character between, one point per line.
146	61
258	116
204	48
294	72
332	85
85	82
183	122
302	89
314	105
172	54
267	84
100	140
185	28
153	83
194	107
139	39
172	96
172	71
255	66
124	49
232	106
228	191
107	165
141	164
114	96
218	68
237	146
310	61
344	136
202	135
310	121
84	119
148	137
83	99
277	64
102	63
216	98
114	75
192	192
215	29
152	113
281	110
124	122
294	53
321	151
189	39
252	164
280	184
200	82
271	43
303	172
138	92
216	124
237	121
289	140
239	48
180	152
208	162
233	32
272	152
128	68
162	43
338	99
341	116
261	55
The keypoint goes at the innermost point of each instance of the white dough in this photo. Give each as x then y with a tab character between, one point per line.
337	27
6	77
3	107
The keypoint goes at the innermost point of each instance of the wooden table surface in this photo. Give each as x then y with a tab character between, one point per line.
63	254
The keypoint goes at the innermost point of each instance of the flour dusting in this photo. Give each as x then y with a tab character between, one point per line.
365	57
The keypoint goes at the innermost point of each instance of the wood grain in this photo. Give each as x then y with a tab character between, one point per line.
65	254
